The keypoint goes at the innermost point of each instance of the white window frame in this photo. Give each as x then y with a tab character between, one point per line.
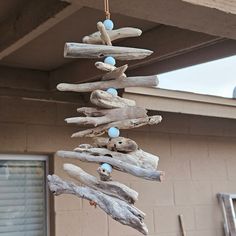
29	157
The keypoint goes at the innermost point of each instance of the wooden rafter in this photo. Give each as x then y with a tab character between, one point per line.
181	13
35	18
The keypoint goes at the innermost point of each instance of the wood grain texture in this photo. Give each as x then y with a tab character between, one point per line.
105	38
137	81
111	188
137	158
126	32
117	73
104	99
120	144
80	50
119	165
125	124
119	210
95	116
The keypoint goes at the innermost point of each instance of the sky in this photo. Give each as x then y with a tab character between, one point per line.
216	78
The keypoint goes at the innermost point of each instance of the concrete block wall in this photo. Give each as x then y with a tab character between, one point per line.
197	154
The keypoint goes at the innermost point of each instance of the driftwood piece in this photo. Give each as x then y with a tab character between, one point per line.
118	73
113	34
110	188
105	38
104	99
104	66
124	124
81	50
119	210
137	158
97	116
119	144
138	81
119	165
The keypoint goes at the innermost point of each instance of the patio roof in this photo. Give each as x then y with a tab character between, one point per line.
182	102
34	32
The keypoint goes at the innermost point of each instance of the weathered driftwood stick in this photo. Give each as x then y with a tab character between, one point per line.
97	112
104	99
119	210
137	158
119	144
148	174
139	81
118	73
104	66
81	50
113	34
103	33
102	116
124	124
110	188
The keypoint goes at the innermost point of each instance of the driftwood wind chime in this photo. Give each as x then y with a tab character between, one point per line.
110	114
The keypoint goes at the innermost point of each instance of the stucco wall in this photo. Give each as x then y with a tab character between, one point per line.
197	154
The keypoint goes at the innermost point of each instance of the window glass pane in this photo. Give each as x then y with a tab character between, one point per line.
216	78
22	198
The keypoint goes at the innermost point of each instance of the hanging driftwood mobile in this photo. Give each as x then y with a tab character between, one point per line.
111	114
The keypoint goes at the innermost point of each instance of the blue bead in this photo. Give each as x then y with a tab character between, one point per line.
113	132
109	25
110	60
112	91
107	167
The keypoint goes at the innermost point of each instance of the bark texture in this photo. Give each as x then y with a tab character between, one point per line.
120	165
138	81
124	124
104	99
120	144
110	188
119	210
81	50
97	117
113	34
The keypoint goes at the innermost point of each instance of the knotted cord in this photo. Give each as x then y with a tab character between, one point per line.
106	9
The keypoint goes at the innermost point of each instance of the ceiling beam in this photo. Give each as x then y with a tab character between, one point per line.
228	6
15	78
218	50
50	96
177	13
35	18
33	84
165	41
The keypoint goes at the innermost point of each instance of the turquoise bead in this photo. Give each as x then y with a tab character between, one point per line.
109	25
107	167
113	132
112	91
110	60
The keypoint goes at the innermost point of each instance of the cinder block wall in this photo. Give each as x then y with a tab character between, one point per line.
197	154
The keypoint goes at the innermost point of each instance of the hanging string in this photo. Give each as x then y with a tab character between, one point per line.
107	9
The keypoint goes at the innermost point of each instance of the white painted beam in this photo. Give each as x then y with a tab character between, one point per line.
182	102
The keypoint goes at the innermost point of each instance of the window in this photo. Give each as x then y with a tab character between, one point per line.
23	195
216	78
